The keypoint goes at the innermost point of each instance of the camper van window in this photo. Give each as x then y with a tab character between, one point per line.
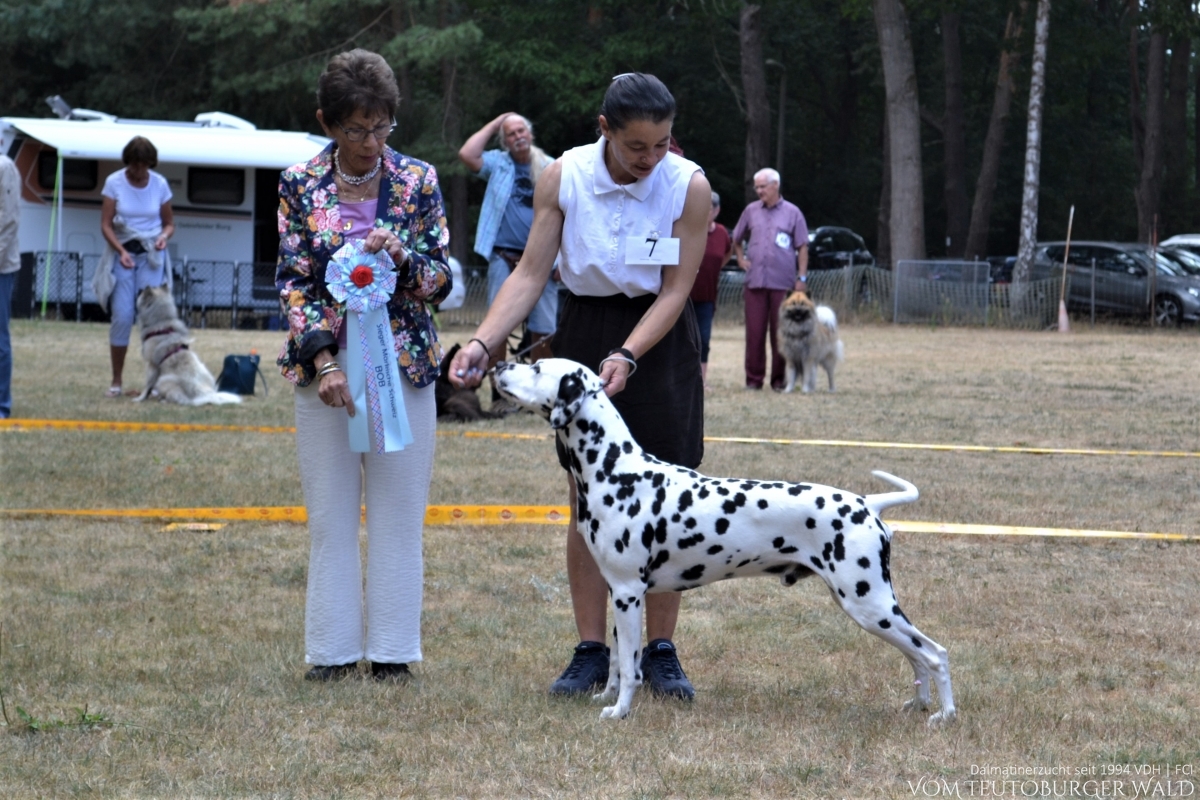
216	187
79	174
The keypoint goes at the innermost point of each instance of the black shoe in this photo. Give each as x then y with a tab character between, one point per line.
331	673
661	671
587	671
390	672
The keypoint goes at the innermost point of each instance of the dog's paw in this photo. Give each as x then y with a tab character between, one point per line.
916	704
608	694
943	717
140	398
614	712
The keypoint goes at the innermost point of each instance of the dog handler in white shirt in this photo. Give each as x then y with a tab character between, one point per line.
631	221
136	220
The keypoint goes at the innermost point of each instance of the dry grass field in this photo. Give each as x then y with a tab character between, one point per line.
138	662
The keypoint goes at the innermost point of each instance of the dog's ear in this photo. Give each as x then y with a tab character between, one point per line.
571	391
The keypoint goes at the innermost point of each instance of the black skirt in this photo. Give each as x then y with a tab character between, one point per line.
663	402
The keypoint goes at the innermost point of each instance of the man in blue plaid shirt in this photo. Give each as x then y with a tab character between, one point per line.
507	214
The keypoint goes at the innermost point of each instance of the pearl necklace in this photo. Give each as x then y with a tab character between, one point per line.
355	180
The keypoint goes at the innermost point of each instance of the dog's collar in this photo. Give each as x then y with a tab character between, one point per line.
158	332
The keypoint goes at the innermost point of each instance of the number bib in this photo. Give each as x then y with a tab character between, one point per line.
648	251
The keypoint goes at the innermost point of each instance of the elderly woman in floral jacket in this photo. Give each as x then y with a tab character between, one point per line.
359	190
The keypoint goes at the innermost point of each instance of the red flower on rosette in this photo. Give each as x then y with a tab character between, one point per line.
362	276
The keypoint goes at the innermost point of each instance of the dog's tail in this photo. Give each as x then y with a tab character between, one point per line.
878	502
826	317
216	399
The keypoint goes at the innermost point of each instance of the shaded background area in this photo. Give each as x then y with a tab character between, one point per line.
460	62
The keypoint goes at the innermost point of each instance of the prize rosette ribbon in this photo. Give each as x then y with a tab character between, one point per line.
365	282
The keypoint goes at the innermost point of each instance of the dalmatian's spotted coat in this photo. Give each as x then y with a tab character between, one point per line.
655	527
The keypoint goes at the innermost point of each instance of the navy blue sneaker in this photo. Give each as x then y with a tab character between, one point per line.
662	673
587	672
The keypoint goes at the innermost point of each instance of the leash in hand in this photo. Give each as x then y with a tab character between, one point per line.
518	354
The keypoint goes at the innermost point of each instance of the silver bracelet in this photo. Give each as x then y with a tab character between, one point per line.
618	357
330	366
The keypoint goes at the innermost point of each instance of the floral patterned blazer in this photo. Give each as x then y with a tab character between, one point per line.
410	205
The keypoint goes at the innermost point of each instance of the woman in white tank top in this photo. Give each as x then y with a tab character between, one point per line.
587	205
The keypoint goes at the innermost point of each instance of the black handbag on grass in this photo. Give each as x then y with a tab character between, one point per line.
238	375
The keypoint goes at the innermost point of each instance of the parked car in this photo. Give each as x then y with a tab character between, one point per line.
831	247
1127	278
1188	259
1186	241
1000	268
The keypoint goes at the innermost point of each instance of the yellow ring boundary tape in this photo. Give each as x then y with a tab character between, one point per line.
544	515
130	427
171	427
957	448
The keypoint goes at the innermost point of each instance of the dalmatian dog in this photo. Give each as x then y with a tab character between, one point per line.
655	527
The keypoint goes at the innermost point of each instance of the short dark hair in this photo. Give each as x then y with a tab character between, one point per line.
635	96
358	80
140	150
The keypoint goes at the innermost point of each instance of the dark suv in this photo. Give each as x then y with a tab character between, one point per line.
1126	279
830	247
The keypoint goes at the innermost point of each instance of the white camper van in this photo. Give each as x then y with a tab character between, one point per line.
224	175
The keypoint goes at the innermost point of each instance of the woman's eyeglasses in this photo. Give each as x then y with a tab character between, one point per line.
381	132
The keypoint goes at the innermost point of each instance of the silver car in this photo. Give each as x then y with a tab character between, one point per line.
1122	279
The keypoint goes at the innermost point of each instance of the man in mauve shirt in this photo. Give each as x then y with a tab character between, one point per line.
776	263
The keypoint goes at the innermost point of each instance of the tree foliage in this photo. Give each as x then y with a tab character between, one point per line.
552	60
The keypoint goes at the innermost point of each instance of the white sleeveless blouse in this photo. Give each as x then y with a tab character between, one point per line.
599	213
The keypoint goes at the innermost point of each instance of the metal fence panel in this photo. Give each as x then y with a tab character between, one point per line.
207	285
852	291
951	292
928	292
1032	305
58	281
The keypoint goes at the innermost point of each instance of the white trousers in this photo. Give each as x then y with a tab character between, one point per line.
342	623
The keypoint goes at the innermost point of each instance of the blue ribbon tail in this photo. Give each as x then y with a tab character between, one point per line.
397	434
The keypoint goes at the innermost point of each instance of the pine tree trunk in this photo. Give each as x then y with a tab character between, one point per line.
754	89
1176	206
955	148
1150	179
1195	221
883	243
993	144
404	112
1136	121
454	191
907	214
1033	146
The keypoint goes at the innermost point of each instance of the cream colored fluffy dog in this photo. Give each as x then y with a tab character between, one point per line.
808	337
172	368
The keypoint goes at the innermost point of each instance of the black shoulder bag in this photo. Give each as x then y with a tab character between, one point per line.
238	375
